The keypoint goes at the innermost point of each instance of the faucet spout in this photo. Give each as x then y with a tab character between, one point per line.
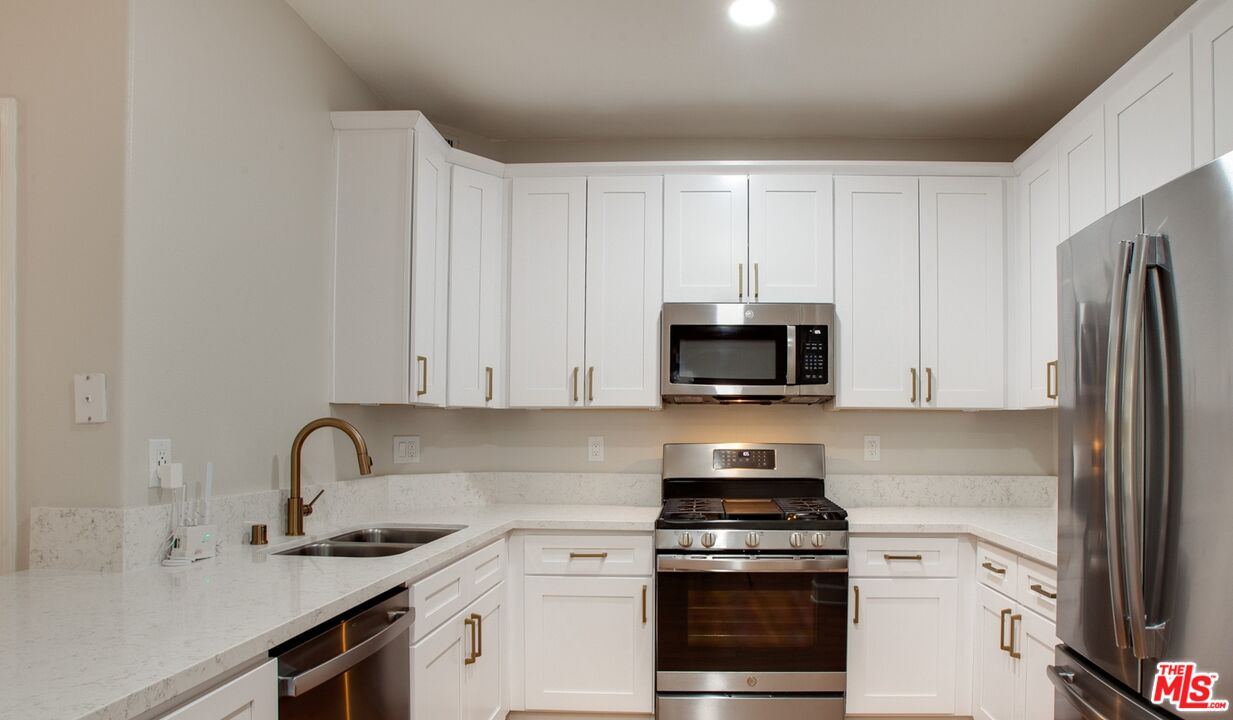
296	509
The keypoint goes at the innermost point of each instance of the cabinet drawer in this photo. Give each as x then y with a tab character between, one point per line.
903	557
997	568
443	594
484	569
1037	588
589	555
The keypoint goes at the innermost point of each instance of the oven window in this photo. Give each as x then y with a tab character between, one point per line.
729	354
764	622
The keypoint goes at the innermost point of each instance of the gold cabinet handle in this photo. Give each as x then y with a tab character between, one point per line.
1051	380
993	568
488	395
595	556
470	659
889	558
591	384
479	624
740	281
423	363
1040	590
1016	618
928	384
644	604
914	384
574	382
757	282
1002	630
856	617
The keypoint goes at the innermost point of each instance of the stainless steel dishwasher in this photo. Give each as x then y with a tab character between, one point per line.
354	666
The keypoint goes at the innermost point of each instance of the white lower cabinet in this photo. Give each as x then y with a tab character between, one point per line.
588	644
902	643
1014	646
457	671
252	696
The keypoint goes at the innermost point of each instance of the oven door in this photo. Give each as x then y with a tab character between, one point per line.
751	623
729	360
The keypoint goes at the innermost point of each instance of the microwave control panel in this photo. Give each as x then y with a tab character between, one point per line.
811	355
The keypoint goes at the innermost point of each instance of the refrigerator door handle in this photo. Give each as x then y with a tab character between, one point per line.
1111	454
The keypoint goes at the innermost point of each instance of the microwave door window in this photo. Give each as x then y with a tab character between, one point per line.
710	355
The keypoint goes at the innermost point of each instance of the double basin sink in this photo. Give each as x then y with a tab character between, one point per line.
372	542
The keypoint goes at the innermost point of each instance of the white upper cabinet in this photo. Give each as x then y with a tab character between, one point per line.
624	247
791	238
1213	84
547	291
877	291
476	291
1035	363
706	238
1081	173
962	320
1148	131
430	265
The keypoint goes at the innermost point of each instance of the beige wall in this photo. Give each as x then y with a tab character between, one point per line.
227	284
917	443
64	61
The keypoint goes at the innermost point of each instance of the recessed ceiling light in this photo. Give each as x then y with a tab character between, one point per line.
751	13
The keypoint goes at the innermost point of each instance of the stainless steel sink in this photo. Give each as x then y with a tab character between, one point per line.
403	535
337	549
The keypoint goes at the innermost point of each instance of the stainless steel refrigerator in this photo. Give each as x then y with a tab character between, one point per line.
1145	487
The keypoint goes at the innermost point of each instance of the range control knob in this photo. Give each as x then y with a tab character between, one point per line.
796	540
708	539
819	539
753	539
685	540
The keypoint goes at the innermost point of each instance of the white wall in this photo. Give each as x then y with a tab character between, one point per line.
226	263
64	61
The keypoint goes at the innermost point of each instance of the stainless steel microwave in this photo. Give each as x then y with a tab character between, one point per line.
748	353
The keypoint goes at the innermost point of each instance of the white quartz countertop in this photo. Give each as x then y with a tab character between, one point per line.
110	646
1031	532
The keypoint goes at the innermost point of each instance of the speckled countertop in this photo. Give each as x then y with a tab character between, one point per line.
111	646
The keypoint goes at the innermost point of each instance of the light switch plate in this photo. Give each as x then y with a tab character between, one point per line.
406	449
90	398
873	448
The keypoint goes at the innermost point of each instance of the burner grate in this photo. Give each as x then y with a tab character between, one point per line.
810	508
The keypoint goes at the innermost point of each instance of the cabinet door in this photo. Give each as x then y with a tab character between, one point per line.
1081	173
430	268
484	695
901	649
372	267
1035	642
877	291
476	290
252	696
1213	84
994	674
589	644
962	319
437	671
1148	127
547	291
1039	229
624	290
706	238
792	238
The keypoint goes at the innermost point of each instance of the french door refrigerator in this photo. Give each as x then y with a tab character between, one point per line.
1145	496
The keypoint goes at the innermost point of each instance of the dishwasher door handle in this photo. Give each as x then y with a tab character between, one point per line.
301	682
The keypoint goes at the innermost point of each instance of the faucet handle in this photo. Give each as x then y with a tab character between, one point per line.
308	508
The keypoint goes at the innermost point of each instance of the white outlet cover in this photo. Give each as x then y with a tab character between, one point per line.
160	454
595	448
406	449
873	448
90	398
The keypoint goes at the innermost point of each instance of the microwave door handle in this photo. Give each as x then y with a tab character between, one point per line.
1111	457
790	352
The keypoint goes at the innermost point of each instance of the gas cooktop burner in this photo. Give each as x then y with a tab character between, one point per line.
776	510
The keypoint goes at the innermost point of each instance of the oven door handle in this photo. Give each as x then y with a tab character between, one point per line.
752	564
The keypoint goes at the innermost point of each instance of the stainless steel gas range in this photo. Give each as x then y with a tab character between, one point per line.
752	576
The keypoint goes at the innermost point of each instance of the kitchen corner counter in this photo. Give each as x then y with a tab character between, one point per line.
1030	532
112	646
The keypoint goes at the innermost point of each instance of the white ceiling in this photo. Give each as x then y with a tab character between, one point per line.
541	69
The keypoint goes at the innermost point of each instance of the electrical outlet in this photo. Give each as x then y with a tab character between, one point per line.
595	448
160	455
406	449
873	448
